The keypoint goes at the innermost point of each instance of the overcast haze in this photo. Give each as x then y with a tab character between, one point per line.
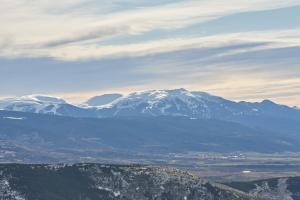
238	49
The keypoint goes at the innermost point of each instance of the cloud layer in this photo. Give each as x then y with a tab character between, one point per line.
67	28
84	47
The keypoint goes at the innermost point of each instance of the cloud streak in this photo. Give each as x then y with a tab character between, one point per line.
78	26
252	41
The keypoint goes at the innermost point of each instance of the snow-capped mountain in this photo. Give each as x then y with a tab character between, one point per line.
265	115
32	103
181	102
44	105
177	102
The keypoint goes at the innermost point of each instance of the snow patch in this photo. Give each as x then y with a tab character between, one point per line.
116	194
246	172
15	118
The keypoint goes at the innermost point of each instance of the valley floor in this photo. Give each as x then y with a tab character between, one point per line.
220	167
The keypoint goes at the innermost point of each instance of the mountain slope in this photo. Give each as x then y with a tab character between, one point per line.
286	188
55	138
109	182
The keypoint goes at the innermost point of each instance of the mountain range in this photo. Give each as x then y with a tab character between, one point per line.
177	102
40	128
160	127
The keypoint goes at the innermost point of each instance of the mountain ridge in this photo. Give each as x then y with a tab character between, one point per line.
177	102
265	115
109	182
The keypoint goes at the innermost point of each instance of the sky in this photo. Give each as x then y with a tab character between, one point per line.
75	49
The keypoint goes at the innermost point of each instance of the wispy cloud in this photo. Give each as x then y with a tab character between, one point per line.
42	26
267	40
68	51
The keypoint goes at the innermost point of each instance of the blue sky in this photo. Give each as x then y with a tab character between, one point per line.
239	49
